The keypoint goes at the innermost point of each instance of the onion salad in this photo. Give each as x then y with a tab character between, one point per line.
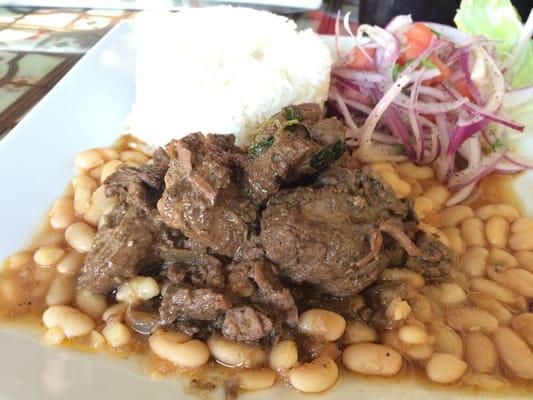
431	94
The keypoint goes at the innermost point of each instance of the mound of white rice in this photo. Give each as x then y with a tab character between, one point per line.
222	70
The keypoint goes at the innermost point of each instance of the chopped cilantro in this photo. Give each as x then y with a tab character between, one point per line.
327	155
292	113
259	148
400	148
496	145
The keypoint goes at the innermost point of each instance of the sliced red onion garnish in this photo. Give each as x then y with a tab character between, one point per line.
374	117
430	107
463	132
519	161
494	117
433	119
413	119
399	22
359	77
465	68
452	34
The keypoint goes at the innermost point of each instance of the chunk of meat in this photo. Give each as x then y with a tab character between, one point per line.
150	175
206	274
121	248
201	196
434	261
258	280
339	234
246	324
191	304
285	149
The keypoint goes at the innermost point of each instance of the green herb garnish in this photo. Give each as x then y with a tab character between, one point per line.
397	69
400	148
496	145
259	148
327	155
292	113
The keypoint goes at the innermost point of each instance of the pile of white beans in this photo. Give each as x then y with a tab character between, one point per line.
475	330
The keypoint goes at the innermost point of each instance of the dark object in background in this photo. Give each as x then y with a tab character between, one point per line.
380	12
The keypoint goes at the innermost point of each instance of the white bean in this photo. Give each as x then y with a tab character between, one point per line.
235	354
80	236
454	215
497	231
359	332
134	156
502	258
525	260
471	320
445	368
92	304
486	382
509	212
490	304
522	224
72	321
446	293
498	291
61	291
109	168
140	288
399	186
62	213
446	339
322	323
423	206
431	230
414	171
421	307
284	355
71	263
88	159
316	376
523	324
438	194
179	349
418	352
256	379
480	352
474	261
372	359
116	312
517	279
408	276
472	230
54	336
117	334
413	334
513	352
48	255
457	244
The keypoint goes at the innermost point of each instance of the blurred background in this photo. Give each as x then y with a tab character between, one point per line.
40	40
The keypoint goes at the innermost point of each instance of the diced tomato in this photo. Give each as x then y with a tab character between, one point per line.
418	38
462	87
359	60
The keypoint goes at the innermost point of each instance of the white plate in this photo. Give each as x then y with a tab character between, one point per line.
86	109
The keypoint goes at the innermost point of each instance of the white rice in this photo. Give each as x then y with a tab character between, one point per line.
222	70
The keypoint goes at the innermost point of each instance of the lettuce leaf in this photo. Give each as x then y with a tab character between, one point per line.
498	20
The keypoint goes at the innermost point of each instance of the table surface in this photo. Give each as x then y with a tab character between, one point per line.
38	46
